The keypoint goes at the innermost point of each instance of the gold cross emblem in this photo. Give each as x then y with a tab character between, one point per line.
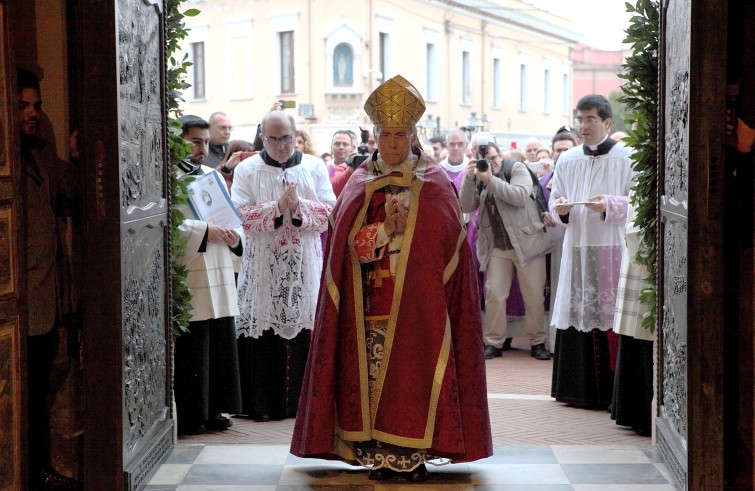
376	276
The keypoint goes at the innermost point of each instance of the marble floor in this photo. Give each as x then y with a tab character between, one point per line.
200	467
539	445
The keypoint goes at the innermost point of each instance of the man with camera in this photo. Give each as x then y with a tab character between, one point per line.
350	161
511	239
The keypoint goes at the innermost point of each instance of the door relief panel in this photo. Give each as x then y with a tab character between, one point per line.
147	423
673	233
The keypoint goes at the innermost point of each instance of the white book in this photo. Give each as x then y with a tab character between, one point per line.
210	202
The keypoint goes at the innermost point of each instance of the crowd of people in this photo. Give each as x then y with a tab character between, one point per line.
362	290
339	255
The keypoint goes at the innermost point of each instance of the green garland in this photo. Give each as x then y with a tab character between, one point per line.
641	98
175	32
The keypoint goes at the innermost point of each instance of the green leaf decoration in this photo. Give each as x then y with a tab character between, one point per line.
176	71
641	98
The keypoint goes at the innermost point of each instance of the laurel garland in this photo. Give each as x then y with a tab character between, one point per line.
176	72
641	98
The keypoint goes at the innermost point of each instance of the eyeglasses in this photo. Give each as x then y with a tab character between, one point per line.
277	140
588	121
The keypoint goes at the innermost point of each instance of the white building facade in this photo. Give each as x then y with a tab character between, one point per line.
504	61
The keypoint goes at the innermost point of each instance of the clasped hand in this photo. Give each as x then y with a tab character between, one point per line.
290	198
220	234
395	216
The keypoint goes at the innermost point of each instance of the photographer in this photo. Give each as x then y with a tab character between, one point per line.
363	150
350	161
510	240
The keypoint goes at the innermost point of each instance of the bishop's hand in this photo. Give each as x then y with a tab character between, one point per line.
395	216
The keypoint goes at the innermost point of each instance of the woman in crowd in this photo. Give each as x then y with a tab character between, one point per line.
237	151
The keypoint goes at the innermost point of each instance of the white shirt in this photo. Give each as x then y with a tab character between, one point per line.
592	249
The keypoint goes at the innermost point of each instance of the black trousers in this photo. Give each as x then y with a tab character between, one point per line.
582	374
633	385
40	352
207	371
272	371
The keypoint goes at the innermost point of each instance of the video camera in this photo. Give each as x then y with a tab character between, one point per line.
482	150
363	150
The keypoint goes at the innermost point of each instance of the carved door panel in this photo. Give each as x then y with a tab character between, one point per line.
12	347
673	186
118	94
690	395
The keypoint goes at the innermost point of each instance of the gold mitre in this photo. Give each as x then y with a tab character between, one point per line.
395	103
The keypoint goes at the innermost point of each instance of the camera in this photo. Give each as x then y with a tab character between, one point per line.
482	150
363	150
287	104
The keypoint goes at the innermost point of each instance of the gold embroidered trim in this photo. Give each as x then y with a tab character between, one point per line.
364	390
454	262
335	296
440	371
355	436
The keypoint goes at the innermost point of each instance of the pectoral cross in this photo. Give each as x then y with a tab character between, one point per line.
376	276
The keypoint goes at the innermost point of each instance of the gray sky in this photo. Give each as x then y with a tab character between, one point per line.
603	22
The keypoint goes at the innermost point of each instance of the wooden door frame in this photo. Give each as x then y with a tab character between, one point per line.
706	279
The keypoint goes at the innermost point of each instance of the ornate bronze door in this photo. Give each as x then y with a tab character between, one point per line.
118	93
674	189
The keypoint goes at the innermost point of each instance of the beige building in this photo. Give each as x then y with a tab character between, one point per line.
504	61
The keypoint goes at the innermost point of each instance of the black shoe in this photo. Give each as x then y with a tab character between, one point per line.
218	423
262	418
539	352
381	474
643	431
54	481
507	344
419	474
492	352
192	429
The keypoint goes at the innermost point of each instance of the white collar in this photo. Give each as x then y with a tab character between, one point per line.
595	147
446	164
